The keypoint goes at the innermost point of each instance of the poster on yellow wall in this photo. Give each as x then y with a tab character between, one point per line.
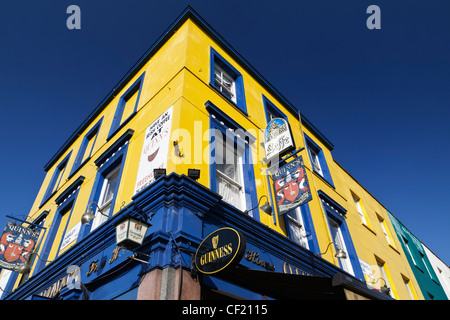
155	150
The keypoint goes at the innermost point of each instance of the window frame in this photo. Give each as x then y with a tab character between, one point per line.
361	209
66	202
107	162
102	204
232	72
118	122
220	122
53	185
88	137
337	213
324	170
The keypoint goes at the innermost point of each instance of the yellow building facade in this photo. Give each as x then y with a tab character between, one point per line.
188	86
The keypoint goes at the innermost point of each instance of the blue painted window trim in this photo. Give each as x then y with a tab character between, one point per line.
310	144
91	135
337	213
270	107
118	122
65	206
309	228
216	58
248	170
114	156
54	184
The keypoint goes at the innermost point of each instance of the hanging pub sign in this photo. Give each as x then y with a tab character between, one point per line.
291	186
223	248
130	232
16	244
277	138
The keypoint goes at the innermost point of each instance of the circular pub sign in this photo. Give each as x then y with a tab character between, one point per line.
223	248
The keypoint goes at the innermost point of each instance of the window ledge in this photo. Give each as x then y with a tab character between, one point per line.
368	228
234	104
323	179
394	248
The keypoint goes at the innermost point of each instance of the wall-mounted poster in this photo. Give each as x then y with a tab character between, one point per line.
291	186
155	150
16	245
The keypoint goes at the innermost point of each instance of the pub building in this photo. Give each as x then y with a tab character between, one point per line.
139	215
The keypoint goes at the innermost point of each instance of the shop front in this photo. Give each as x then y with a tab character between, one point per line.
196	247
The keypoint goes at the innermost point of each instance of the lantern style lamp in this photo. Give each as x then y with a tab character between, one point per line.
130	232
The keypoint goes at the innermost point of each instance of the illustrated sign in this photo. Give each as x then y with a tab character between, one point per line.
291	186
223	248
155	150
16	244
277	138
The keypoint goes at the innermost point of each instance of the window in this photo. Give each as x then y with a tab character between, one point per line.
340	235
409	288
87	146
338	239
385	231
405	241
106	185
58	227
359	208
127	106
108	190
224	83
227	80
233	177
229	175
56	180
298	230
318	162
384	275
428	267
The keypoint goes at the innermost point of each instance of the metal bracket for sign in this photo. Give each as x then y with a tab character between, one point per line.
24	221
268	175
284	159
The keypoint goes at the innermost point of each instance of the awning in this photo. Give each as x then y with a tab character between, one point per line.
283	286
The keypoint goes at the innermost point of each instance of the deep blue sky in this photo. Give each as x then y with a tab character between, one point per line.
381	96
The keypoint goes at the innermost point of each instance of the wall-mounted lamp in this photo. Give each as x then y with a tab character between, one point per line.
159	173
341	254
26	267
384	289
194	174
178	150
89	214
266	207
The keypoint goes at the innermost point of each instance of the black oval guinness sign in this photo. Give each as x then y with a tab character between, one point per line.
222	248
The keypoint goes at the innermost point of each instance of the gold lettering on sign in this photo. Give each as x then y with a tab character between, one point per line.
60	284
287	266
115	254
253	257
219	253
92	267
